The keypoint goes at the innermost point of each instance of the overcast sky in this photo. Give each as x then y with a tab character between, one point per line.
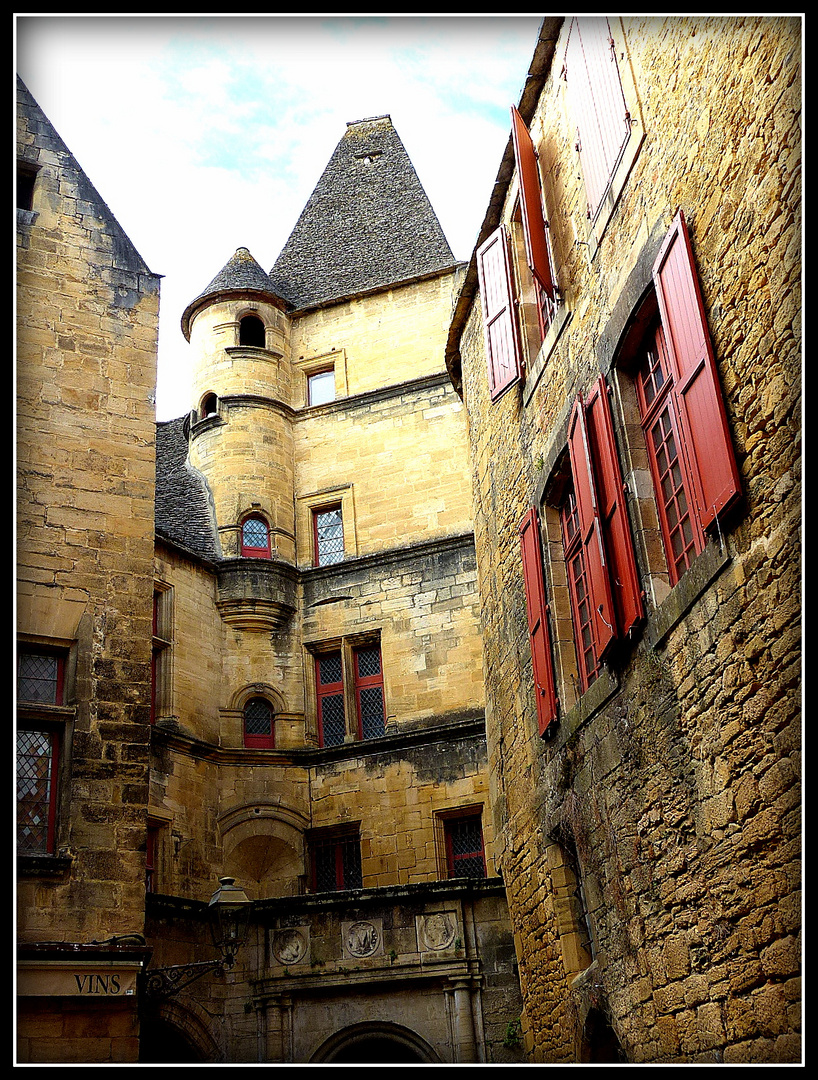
208	133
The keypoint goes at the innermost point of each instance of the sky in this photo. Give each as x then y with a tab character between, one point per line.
208	133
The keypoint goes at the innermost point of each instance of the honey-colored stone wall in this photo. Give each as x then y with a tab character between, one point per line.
87	310
677	775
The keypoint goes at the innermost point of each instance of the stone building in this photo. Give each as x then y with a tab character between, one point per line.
627	346
87	318
273	677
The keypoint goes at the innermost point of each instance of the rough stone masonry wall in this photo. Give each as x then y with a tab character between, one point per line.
681	791
86	354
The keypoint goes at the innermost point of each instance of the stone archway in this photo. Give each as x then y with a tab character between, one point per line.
375	1044
173	1035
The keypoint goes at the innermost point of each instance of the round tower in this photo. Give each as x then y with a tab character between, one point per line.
241	422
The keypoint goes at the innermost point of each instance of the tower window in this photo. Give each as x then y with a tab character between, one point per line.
26	175
258	724
255	538
251	331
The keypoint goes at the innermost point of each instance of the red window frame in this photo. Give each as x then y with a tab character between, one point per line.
264	737
325	544
330	699
465	851
335	863
255	551
601	113
369	699
151	851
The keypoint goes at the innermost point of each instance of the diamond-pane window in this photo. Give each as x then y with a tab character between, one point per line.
369	691
336	864
328	527
331	715
255	538
464	847
39	678
36	791
258	724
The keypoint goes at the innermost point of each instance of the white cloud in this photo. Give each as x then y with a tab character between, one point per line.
204	134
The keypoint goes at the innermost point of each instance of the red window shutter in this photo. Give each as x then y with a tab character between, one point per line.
536	245
598	102
537	612
499	316
706	435
590	525
624	577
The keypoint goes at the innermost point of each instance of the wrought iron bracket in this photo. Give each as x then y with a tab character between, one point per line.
165	982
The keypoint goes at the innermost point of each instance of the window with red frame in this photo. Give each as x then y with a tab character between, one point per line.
328	535
259	730
335	862
368	676
329	682
465	856
151	852
40	684
255	538
687	437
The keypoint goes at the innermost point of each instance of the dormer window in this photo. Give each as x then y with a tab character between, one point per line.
251	332
255	538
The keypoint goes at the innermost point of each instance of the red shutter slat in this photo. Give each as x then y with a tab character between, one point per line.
536	245
707	441
537	613
499	316
590	525
624	576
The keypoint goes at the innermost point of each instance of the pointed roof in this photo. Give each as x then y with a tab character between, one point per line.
367	225
241	276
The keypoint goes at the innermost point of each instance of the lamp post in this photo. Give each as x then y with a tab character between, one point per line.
228	915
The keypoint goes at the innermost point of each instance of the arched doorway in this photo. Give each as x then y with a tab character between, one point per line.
376	1044
162	1043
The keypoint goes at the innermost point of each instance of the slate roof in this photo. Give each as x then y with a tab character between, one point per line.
368	223
241	275
184	512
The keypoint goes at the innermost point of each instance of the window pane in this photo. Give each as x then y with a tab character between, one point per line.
38	678
321	387
35	759
333	728
254	533
329	536
329	668
372	718
465	845
258	717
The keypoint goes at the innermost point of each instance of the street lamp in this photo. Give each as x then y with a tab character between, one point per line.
228	915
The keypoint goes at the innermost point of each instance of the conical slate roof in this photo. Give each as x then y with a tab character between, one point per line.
240	276
368	224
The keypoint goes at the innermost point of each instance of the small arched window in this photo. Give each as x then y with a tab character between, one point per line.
209	406
251	331
255	538
258	724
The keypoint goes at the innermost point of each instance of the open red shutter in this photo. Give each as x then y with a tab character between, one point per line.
703	420
624	577
590	525
499	316
538	620
536	245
